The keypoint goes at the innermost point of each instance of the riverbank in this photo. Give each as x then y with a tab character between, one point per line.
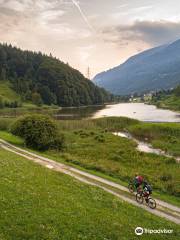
167	99
144	146
165	136
170	102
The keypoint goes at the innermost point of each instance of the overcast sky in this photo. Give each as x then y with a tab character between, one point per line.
96	33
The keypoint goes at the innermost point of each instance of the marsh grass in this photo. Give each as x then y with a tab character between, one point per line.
165	136
118	157
109	123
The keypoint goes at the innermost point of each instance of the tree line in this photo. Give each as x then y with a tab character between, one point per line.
170	92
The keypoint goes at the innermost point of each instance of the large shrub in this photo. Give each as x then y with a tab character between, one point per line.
39	132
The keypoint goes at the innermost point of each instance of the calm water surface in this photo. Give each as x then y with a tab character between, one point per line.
138	111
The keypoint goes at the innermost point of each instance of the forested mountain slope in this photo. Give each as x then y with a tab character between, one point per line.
152	70
44	79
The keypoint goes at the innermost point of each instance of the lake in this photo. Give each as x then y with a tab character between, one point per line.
140	111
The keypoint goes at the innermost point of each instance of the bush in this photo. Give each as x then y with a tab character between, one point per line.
39	132
99	138
165	177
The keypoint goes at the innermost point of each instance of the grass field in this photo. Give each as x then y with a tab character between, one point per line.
7	93
165	136
118	158
91	146
168	102
26	109
38	204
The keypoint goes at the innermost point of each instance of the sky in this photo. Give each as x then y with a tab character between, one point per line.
99	34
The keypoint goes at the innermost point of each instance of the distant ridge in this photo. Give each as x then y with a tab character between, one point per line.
154	69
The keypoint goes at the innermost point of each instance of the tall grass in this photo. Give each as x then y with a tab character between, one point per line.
75	124
109	123
5	123
115	123
165	136
154	130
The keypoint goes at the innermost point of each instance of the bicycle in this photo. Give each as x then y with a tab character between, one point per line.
140	196
131	187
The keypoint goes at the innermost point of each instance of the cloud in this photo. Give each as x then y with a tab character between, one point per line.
38	25
85	52
122	6
131	12
21	16
151	32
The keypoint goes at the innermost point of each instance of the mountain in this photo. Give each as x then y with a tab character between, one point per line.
41	79
154	69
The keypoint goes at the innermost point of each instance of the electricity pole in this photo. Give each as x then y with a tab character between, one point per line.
88	73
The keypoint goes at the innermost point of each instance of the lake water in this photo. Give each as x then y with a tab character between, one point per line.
140	111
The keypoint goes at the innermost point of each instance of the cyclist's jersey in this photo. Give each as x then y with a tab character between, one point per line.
148	189
139	179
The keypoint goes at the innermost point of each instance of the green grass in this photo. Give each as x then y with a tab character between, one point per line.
64	158
8	94
26	109
108	124
37	203
168	102
90	146
6	91
5	123
11	138
165	136
118	157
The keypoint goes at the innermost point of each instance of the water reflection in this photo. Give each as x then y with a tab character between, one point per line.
77	113
140	111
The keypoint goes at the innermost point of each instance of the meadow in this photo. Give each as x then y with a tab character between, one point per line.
6	91
38	203
90	144
167	102
165	136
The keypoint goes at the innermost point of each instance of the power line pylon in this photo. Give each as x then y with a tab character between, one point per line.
88	73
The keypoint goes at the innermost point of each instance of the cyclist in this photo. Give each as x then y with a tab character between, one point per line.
147	190
138	181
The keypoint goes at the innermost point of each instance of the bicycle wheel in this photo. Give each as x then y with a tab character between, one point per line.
139	198
131	187
152	203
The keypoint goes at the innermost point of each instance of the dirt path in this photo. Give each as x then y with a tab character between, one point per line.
165	210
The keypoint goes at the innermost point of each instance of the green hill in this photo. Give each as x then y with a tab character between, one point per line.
6	91
41	79
168	99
